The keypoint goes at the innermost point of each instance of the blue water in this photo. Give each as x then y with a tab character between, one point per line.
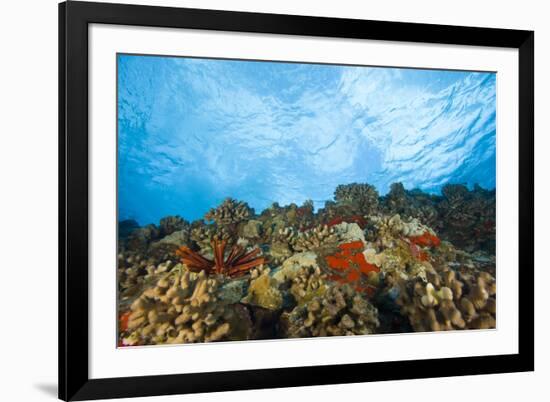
192	132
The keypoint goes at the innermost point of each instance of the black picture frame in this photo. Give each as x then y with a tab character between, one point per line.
74	18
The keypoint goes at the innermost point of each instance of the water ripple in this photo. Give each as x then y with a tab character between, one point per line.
192	132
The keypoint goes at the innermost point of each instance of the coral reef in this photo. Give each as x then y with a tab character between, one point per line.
465	218
362	264
411	204
468	217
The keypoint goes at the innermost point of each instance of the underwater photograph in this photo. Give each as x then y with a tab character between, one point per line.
270	200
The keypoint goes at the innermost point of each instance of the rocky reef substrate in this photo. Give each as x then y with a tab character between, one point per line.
364	264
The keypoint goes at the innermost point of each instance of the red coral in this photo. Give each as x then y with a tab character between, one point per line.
352	248
353	275
124	321
426	239
361	221
237	262
351	266
418	253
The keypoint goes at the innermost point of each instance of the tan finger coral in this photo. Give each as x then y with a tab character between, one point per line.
363	197
229	212
203	235
308	283
316	238
430	309
135	269
339	311
281	245
184	307
442	305
391	227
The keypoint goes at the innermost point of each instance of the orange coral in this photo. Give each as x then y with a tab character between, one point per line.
237	263
426	239
351	265
418	253
124	321
362	222
351	247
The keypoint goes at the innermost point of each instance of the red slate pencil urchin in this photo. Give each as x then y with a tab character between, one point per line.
238	261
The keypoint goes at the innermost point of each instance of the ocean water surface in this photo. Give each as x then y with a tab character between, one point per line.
192	132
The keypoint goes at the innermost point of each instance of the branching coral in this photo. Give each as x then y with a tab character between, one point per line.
130	270
281	245
338	311
363	197
238	261
171	224
442	303
396	200
183	307
391	232
203	235
395	226
318	237
412	204
134	269
464	217
468	217
230	212
305	212
308	282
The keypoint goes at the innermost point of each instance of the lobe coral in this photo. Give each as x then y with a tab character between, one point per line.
237	263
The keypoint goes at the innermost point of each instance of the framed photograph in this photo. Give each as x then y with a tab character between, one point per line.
257	200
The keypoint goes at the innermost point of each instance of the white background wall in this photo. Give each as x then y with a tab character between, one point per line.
28	197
